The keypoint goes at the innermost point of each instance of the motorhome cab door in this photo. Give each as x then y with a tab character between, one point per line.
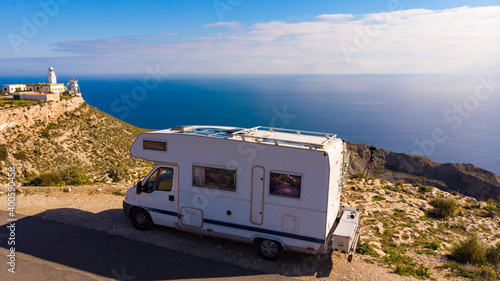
160	197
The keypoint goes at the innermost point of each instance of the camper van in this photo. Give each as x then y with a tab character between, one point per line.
277	188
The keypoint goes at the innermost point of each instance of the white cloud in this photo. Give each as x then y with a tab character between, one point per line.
410	41
231	24
335	17
154	35
396	15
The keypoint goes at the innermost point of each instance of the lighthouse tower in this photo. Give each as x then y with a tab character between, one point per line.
52	76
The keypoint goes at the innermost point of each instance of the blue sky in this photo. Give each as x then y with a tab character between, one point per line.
243	36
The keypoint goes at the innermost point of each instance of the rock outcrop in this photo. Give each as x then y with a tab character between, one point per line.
26	117
464	178
52	136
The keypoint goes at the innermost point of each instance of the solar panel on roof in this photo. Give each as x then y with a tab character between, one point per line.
311	140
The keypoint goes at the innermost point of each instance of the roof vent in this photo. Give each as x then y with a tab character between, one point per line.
182	128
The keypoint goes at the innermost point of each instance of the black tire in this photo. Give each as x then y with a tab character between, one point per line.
269	249
141	219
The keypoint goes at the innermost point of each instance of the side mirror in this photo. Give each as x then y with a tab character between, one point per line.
138	187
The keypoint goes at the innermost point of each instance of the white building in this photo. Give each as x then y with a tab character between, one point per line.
51	87
36	96
47	88
12	88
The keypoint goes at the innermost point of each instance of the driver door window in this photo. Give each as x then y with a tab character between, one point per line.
163	182
151	182
165	179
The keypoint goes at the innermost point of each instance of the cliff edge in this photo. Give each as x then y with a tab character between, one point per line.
391	166
15	118
45	137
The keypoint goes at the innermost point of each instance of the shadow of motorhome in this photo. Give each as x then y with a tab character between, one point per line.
87	219
290	264
107	255
51	240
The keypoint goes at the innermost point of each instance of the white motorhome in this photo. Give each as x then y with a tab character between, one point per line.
277	188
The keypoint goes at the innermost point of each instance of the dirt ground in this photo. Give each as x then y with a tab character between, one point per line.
96	207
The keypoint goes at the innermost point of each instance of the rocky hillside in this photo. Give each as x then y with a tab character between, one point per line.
50	136
463	178
20	116
402	230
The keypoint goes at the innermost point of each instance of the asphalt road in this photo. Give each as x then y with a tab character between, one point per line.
48	250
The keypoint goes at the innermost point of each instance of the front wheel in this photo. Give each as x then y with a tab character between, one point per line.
141	219
269	249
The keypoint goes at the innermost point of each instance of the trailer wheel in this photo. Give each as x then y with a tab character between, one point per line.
141	219
269	249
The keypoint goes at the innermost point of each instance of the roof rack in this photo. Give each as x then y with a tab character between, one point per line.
277	135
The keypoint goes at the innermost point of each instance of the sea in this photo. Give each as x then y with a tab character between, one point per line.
448	118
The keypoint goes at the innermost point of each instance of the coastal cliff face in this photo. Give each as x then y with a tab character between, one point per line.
50	136
463	178
14	119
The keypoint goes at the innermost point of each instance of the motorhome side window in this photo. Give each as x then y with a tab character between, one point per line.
283	184
219	178
154	145
161	179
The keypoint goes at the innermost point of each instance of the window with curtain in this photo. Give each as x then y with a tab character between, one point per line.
219	178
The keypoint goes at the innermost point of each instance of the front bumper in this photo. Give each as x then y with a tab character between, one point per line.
126	209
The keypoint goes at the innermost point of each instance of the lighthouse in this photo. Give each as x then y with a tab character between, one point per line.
52	76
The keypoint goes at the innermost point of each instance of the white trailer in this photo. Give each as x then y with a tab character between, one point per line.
277	188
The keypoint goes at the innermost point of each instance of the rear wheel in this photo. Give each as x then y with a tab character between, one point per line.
141	219
269	249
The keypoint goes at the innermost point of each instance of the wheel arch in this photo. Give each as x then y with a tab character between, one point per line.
258	237
131	210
